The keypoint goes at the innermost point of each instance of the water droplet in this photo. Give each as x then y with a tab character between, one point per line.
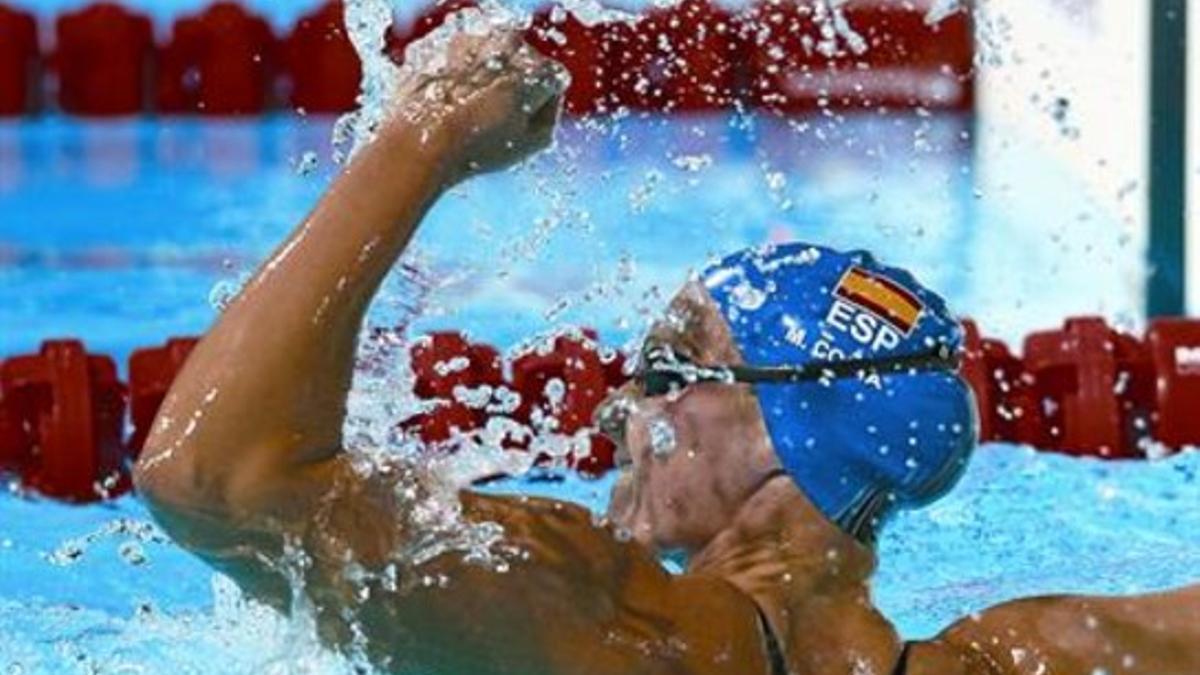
662	438
307	163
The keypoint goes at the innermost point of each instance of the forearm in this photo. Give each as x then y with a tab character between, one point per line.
266	388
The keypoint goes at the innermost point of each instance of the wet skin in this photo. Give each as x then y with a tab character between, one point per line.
245	468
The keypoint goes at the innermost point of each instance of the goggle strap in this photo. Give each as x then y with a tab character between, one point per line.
939	359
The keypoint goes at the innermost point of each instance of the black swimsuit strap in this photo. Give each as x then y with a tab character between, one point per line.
774	648
902	666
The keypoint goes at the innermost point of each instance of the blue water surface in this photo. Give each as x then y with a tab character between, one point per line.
118	232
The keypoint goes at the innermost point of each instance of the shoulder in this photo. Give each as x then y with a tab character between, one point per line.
581	600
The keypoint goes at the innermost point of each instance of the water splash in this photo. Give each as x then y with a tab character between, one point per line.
662	438
225	291
132	533
939	10
367	23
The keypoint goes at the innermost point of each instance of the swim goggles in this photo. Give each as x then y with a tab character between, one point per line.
663	371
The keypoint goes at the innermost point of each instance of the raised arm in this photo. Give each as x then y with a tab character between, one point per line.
245	463
256	415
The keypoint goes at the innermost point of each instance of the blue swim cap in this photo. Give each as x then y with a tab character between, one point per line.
859	447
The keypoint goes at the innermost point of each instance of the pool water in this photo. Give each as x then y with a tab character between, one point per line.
125	233
118	232
96	591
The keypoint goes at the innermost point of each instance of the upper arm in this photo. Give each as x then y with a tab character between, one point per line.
245	532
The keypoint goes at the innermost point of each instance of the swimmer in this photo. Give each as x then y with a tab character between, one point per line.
789	401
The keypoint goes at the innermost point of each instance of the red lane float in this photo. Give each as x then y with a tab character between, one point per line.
1089	379
151	372
1084	389
1174	346
786	56
978	372
442	422
563	384
104	57
559	384
561	387
860	54
561	36
679	58
218	62
1009	410
16	440
19	61
911	59
445	360
72	407
441	363
323	69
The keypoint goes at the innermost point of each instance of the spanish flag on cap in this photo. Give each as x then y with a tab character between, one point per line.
882	297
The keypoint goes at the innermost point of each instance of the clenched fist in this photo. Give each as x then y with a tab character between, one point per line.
489	98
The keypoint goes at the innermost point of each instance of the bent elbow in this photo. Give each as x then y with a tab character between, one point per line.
181	476
186	472
163	477
191	478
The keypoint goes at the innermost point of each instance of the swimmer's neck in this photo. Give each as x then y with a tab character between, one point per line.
808	577
778	526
